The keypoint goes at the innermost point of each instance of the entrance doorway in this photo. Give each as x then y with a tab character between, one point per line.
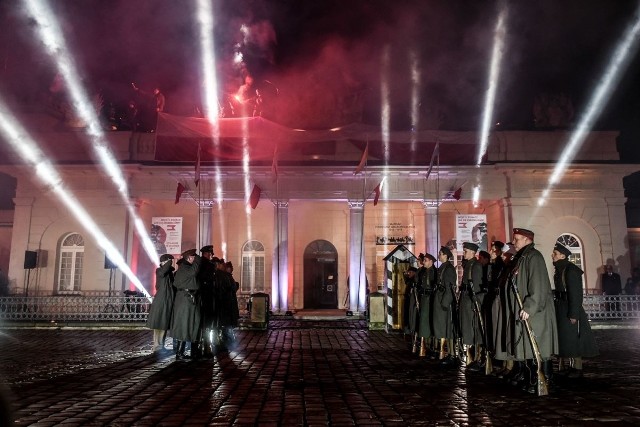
320	275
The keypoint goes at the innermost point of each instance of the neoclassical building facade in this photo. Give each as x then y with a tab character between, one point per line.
315	239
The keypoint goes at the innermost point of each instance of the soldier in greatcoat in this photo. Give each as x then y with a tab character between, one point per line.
206	277
574	332
225	315
185	324
427	283
444	319
159	318
531	280
470	292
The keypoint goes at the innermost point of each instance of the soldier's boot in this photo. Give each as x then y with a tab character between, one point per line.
517	373
531	384
576	372
469	356
547	369
423	347
442	341
414	348
180	346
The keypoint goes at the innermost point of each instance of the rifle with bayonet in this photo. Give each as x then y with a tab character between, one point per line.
416	338
543	388
488	367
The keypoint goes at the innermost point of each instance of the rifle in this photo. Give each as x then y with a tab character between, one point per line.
415	333
543	388
488	366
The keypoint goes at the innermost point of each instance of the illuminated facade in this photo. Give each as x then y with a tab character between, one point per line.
301	244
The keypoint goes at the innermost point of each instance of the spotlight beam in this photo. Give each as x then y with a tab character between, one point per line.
25	147
499	35
618	64
52	38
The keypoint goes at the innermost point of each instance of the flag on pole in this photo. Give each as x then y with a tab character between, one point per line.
436	152
197	175
457	193
363	160
254	198
377	193
179	192
274	165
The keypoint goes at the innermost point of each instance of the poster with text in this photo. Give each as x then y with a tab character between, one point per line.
471	228
166	234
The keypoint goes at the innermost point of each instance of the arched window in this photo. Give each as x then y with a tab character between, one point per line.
572	243
252	267
70	267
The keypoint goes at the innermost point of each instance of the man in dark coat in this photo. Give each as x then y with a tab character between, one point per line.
469	316
225	315
206	277
159	318
444	319
409	309
185	324
611	285
427	282
574	332
531	280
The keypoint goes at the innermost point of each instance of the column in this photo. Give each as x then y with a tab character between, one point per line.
431	226
280	262
205	217
357	272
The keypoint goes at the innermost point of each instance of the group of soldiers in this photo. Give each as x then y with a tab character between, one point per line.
503	311
197	305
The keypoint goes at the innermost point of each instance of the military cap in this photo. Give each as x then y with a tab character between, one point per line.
523	232
470	246
229	264
421	256
166	257
430	257
412	269
215	260
205	249
188	253
498	245
484	254
445	250
562	249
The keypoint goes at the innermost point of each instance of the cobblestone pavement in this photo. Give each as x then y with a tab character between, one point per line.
296	373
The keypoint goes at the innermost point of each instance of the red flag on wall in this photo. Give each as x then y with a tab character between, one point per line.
457	193
254	198
377	196
197	176
179	192
363	160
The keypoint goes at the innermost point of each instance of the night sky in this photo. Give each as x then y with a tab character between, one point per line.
321	53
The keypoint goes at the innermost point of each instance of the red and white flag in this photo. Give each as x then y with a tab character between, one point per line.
254	198
179	192
377	193
457	193
197	175
363	160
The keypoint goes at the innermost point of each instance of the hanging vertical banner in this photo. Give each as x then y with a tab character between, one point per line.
471	228
166	234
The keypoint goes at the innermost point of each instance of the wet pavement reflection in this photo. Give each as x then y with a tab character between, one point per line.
295	373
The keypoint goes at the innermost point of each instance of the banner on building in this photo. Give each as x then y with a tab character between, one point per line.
166	234
471	228
395	233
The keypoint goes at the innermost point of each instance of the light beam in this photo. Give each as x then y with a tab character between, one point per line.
499	35
25	147
55	45
617	65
